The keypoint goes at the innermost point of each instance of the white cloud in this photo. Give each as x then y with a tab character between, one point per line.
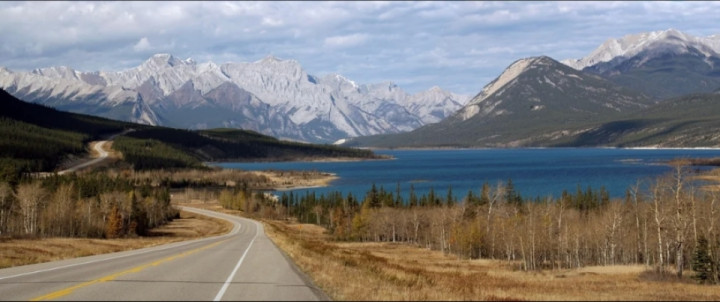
272	22
346	40
142	45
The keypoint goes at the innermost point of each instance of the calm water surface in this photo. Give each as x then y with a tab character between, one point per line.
535	172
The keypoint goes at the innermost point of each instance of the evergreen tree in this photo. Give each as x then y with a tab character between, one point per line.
431	197
511	196
471	200
413	198
373	198
702	263
398	198
352	202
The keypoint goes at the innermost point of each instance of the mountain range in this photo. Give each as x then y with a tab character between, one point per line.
650	89
272	96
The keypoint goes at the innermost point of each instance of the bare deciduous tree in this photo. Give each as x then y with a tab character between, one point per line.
29	198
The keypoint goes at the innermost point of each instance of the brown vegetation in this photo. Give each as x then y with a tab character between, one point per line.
498	246
92	207
256	180
393	271
658	224
18	251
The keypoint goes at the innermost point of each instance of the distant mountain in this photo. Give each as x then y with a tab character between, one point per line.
435	104
661	64
534	102
272	96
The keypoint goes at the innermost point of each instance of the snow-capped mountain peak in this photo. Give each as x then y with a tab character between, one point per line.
162	61
435	104
271	95
269	58
59	72
670	40
435	89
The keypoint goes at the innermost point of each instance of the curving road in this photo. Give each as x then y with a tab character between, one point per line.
99	148
103	155
241	265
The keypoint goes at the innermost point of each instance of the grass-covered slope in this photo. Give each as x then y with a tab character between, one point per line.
666	76
689	121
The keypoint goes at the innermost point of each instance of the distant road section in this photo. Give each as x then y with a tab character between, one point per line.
99	147
103	155
241	265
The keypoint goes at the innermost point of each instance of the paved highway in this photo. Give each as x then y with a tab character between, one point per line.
241	265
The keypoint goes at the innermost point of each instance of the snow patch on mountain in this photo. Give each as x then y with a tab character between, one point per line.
297	105
506	78
655	42
512	72
434	104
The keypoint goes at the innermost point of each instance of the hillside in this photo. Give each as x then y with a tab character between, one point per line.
36	138
688	121
534	102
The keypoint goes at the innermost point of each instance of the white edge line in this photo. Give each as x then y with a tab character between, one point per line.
225	286
235	231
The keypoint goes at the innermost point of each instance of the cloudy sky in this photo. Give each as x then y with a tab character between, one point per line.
459	46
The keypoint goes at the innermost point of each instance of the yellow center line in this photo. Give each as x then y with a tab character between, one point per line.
69	290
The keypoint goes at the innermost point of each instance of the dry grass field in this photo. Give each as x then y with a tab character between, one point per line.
14	252
387	271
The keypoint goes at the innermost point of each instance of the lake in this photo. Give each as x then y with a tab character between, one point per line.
534	172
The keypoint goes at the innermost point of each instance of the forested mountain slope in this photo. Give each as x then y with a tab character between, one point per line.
36	138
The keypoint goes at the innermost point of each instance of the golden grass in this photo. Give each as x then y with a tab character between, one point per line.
387	271
282	180
14	252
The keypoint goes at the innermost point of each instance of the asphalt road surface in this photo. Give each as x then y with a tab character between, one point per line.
241	265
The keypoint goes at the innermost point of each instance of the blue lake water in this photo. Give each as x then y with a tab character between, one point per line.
534	172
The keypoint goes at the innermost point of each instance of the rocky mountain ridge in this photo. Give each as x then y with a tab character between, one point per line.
272	96
662	64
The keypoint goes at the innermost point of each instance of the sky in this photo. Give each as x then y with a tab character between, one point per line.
458	46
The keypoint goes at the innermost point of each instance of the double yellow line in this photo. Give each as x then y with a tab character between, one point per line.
69	290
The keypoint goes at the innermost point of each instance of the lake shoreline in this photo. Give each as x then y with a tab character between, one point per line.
297	180
534	172
309	159
536	148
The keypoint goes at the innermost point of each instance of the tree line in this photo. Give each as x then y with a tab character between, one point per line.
670	221
234	144
87	206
